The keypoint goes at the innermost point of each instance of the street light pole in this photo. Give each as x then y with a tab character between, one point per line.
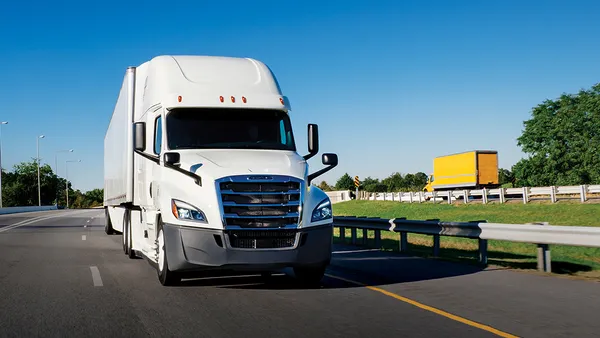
1	123
38	170
67	181
56	159
56	168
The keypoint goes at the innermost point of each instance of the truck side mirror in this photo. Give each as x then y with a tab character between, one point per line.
313	141
172	158
139	136
330	160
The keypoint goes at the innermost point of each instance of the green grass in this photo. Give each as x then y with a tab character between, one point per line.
578	261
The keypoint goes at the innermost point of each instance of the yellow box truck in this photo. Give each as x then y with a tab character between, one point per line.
475	169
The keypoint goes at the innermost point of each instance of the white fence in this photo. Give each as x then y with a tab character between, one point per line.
15	210
526	194
338	196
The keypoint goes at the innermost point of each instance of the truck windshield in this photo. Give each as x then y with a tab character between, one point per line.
222	128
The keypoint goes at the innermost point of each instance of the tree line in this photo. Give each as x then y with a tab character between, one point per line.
561	141
392	183
20	188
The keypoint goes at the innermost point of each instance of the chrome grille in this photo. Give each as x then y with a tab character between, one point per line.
260	202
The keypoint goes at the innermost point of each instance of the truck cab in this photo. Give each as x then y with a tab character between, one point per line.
428	187
217	181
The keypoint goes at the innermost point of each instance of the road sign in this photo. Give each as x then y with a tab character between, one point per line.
356	181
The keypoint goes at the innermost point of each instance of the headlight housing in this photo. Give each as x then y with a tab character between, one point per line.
187	212
322	211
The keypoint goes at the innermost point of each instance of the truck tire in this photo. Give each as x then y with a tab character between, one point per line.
165	276
127	241
108	229
310	275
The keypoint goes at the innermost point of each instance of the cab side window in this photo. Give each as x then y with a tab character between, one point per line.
157	135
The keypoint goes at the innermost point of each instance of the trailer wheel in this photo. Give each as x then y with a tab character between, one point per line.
165	276
108	229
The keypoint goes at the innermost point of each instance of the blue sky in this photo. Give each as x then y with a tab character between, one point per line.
392	85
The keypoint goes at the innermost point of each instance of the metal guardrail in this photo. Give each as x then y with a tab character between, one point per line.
541	234
15	210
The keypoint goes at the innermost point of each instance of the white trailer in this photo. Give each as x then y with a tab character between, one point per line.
201	172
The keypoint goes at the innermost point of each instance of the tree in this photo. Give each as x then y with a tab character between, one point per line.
420	180
324	186
562	140
394	182
505	176
344	183
90	199
20	187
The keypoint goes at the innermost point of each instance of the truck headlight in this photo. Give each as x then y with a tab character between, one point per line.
322	211
185	211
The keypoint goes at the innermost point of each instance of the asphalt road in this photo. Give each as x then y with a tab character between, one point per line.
61	275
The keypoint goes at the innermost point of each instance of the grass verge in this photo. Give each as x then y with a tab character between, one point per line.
576	261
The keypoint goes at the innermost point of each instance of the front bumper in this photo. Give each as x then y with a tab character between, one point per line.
196	249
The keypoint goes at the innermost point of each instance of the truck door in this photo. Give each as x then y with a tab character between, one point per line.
155	171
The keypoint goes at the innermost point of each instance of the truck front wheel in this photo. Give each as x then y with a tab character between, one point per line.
165	276
310	275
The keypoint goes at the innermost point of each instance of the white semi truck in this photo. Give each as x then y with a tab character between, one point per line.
201	172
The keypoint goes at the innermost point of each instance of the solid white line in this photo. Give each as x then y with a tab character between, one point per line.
96	276
83	237
37	219
31	221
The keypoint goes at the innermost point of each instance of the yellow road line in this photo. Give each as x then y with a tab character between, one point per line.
429	308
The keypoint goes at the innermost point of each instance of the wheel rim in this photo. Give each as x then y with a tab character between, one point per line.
161	250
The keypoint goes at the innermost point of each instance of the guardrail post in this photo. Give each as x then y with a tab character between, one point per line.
436	245
450	196
502	199
484	195
436	239
411	197
434	196
466	196
365	237
378	239
544	262
421	196
525	195
403	241
543	258
483	246
553	194
353	235
342	234
583	191
483	251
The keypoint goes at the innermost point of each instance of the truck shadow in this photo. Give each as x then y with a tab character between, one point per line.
350	268
353	267
470	256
